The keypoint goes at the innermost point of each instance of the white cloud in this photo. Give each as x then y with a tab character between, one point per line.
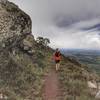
62	21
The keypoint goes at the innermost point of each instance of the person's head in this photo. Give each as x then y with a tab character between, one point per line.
57	49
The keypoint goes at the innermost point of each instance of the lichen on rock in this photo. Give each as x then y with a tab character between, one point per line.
13	22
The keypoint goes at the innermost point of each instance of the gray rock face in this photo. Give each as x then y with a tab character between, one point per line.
3	1
14	23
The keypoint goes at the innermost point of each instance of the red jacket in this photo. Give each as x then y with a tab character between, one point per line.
57	56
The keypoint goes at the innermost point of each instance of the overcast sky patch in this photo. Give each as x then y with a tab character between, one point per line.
68	23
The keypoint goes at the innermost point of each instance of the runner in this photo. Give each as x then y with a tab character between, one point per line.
57	58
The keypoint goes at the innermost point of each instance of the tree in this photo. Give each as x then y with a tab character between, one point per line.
40	40
46	41
43	41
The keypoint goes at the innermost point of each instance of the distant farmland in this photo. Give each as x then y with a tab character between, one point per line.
88	57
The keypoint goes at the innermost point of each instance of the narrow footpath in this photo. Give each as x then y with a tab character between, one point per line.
51	86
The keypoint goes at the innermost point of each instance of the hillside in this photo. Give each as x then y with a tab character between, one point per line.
24	63
91	58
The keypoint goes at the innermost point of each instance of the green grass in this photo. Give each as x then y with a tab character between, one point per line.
73	83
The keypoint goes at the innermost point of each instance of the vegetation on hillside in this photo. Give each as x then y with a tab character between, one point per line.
25	61
73	80
21	76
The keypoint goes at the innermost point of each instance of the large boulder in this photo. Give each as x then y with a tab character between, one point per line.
14	23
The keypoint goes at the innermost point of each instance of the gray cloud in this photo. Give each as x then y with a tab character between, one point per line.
64	21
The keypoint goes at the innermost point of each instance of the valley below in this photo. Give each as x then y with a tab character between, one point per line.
91	58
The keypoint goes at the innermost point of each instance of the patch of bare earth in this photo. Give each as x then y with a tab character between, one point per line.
51	90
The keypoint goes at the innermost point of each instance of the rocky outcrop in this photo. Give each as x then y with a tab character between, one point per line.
15	27
3	1
14	23
23	63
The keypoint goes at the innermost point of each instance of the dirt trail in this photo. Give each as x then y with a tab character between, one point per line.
51	86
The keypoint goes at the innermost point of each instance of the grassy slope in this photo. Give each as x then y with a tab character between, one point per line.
21	75
73	78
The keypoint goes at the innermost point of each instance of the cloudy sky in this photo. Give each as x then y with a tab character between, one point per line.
67	23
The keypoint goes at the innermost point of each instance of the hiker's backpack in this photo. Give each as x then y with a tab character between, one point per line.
57	56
